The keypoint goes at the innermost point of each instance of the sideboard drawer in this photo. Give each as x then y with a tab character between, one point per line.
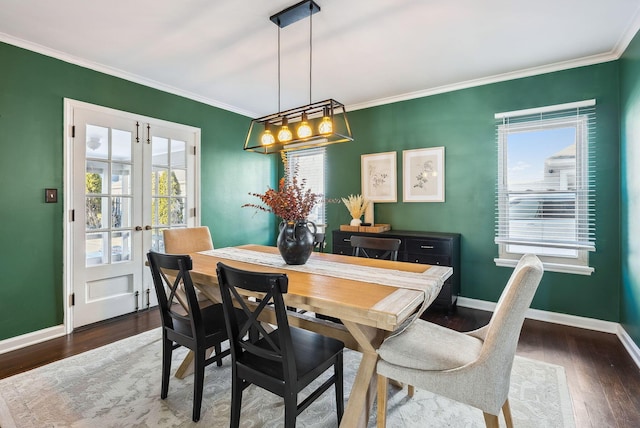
429	259
428	246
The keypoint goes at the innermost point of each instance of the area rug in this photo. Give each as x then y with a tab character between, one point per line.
118	385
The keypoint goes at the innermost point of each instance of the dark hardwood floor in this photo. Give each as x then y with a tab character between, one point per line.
604	382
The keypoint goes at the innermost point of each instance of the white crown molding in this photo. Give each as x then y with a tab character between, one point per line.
32	338
628	35
118	73
569	320
534	71
614	54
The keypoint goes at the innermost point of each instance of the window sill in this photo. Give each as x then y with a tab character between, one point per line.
550	267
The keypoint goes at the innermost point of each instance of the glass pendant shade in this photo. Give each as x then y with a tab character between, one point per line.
304	130
285	134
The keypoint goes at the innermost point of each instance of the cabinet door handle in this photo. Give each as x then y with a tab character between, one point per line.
426	247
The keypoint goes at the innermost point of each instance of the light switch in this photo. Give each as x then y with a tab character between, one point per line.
50	195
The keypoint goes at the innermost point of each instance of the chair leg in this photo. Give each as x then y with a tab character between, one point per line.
167	351
411	390
339	387
506	410
236	400
382	401
491	421
198	383
290	408
218	349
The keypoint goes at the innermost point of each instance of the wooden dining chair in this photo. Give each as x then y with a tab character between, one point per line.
187	240
374	247
283	361
319	241
195	328
474	367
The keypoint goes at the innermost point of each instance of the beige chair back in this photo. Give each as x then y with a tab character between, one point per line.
503	331
187	240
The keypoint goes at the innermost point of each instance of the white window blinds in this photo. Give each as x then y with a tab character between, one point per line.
311	167
545	189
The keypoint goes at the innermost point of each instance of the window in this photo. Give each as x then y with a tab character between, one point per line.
545	191
311	167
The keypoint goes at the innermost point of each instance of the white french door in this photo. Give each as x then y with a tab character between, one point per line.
130	177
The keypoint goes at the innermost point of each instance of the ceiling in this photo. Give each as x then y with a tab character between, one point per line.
365	52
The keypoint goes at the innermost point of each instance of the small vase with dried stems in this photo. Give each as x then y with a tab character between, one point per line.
356	204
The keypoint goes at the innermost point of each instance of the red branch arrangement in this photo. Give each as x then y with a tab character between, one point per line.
291	202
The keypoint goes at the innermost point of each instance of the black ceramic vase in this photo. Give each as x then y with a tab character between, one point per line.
295	241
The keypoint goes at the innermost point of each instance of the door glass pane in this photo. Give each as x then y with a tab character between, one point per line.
178	182
160	151
95	208
121	179
178	211
121	145
120	246
178	154
95	248
94	180
160	178
121	212
97	142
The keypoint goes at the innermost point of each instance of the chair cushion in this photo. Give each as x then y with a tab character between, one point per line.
427	346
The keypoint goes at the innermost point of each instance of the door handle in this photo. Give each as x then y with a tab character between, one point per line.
138	228
147	227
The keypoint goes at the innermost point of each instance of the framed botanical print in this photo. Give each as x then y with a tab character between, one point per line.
378	172
423	175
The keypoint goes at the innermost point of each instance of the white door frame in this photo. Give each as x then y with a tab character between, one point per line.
67	271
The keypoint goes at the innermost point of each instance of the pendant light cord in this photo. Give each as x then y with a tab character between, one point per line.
279	110
310	45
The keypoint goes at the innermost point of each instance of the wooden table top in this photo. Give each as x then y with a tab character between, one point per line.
380	306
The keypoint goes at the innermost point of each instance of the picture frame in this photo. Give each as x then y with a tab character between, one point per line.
423	175
378	172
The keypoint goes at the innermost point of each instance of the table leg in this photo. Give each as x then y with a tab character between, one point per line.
356	413
187	366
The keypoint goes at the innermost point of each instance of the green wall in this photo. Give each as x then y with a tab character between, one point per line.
630	148
32	88
463	122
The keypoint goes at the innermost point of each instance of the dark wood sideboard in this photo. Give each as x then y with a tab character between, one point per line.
434	248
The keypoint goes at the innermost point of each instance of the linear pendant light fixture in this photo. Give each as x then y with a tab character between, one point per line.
313	125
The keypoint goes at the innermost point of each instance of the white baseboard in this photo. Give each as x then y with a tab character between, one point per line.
32	338
629	344
565	319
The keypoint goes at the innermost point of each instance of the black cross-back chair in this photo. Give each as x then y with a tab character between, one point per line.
193	327
283	361
371	247
318	241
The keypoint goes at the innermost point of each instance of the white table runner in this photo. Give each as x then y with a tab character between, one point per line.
430	281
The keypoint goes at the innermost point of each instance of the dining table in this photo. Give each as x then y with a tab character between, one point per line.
372	298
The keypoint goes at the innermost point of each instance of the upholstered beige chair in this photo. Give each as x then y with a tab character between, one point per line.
189	240
473	368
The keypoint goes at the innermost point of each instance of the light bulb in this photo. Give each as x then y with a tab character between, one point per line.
326	125
284	134
267	138
304	130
